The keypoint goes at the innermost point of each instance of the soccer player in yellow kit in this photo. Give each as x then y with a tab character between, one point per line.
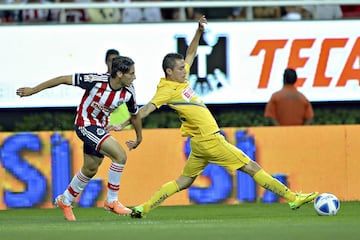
207	144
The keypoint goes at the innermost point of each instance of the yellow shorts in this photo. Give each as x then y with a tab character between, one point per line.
213	149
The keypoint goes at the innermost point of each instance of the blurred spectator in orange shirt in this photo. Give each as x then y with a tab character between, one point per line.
288	106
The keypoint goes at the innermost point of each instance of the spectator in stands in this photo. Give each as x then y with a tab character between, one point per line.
350	11
322	12
73	15
271	12
38	15
8	16
149	14
291	13
170	13
288	106
176	14
103	15
220	13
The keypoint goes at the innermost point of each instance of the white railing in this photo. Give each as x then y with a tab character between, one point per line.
182	5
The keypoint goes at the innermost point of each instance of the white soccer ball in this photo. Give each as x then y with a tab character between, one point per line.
326	204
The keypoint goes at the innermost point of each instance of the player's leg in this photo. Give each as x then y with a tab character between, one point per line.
195	164
265	180
77	185
81	179
165	191
91	138
232	158
268	182
112	149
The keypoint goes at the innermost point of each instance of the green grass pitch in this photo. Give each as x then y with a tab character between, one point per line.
248	221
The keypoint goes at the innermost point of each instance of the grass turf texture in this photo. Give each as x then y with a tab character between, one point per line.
220	222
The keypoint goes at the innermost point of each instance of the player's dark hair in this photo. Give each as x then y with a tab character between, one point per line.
169	61
289	76
111	52
121	64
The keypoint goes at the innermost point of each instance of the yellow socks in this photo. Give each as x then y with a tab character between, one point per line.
163	193
268	182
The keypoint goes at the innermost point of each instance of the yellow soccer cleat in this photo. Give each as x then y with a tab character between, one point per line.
301	199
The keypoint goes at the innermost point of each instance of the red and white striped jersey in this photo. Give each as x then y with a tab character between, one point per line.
100	100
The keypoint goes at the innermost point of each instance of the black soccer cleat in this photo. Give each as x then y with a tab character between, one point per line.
137	212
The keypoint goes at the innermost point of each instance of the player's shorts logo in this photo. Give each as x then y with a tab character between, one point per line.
100	131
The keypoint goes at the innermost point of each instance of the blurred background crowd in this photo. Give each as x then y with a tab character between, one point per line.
155	14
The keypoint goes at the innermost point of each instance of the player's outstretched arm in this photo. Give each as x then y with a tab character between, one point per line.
28	91
144	112
147	109
120	126
192	49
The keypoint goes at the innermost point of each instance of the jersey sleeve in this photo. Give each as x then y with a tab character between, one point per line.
87	80
131	104
162	96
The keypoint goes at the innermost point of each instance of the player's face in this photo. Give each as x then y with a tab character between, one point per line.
178	74
129	77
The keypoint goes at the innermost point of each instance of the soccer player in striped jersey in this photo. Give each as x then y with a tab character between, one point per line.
103	94
207	144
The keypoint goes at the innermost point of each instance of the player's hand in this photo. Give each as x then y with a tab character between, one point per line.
24	91
202	23
131	144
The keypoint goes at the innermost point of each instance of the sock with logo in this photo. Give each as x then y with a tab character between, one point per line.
268	182
165	191
75	187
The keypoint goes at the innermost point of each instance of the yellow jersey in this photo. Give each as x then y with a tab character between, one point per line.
195	117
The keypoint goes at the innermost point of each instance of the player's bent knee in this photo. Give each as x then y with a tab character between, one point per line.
89	171
251	168
120	159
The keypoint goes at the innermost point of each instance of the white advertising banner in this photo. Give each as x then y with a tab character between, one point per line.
237	62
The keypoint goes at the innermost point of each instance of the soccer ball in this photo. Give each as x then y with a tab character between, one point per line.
326	204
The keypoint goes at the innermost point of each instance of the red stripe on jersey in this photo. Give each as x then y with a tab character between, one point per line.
123	93
79	118
96	99
108	103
